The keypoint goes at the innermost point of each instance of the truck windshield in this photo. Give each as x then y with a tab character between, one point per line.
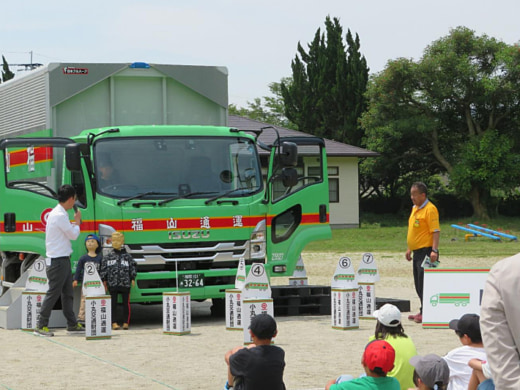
162	167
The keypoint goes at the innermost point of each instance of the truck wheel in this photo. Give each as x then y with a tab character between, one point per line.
9	269
218	308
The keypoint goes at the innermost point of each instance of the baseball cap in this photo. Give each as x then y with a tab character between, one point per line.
388	315
468	324
263	326
92	236
379	353
431	369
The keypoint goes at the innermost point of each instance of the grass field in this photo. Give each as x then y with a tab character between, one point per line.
389	235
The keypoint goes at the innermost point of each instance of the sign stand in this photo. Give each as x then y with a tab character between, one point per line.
177	311
367	275
98	308
256	298
98	317
234	299
299	277
344	296
32	298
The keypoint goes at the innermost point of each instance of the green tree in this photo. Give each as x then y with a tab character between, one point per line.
268	109
6	72
455	111
329	80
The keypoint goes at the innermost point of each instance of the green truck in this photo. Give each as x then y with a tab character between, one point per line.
189	193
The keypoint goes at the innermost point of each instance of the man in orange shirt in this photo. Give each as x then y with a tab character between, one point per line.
423	237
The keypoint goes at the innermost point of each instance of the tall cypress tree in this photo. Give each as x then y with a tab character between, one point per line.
325	97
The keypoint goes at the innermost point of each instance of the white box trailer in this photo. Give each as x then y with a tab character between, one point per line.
70	97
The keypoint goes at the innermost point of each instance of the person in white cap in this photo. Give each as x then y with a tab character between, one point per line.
390	329
431	372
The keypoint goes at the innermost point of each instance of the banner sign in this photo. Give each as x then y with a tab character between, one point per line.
177	313
450	293
31	306
98	317
252	307
234	309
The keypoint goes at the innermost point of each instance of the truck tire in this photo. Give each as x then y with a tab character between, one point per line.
9	269
218	308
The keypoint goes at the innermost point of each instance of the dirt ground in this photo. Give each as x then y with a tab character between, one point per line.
143	357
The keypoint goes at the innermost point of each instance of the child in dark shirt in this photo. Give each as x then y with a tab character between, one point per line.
118	271
93	255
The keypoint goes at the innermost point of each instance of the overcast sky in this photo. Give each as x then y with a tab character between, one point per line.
255	40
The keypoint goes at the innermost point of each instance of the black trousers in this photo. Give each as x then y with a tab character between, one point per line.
59	275
418	271
125	295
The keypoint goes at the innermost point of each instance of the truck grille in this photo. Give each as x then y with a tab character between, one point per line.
189	256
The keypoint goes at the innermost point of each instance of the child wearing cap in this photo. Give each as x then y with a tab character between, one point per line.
260	365
431	372
93	255
467	329
390	329
377	361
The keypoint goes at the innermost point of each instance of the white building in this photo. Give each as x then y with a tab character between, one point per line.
343	168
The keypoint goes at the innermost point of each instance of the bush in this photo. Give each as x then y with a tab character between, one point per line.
451	207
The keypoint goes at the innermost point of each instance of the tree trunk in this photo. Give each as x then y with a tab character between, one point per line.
479	207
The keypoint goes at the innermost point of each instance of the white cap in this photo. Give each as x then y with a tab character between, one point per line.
388	315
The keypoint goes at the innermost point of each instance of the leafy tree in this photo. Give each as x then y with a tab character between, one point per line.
6	72
326	96
268	109
455	111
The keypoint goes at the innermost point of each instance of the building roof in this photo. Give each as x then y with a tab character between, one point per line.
334	148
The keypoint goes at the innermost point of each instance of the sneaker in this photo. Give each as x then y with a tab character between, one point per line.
125	326
418	318
411	317
43	331
81	322
76	328
115	326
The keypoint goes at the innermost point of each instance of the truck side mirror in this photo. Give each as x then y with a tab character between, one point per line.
289	154
289	177
73	157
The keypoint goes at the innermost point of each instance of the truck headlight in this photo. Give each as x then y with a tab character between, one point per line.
258	241
105	234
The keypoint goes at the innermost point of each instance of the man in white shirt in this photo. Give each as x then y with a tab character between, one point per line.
58	233
468	331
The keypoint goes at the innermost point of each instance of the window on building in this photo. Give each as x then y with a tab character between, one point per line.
333	181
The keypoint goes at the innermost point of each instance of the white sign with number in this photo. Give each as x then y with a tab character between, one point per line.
344	276
92	285
37	279
257	283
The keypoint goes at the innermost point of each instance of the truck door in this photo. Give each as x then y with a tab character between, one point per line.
298	200
31	174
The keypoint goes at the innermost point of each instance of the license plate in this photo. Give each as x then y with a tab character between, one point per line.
191	280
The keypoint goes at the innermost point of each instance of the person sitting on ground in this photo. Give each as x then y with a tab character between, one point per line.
467	329
377	361
431	372
260	365
390	329
481	378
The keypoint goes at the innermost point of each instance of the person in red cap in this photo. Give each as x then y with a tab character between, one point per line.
377	361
